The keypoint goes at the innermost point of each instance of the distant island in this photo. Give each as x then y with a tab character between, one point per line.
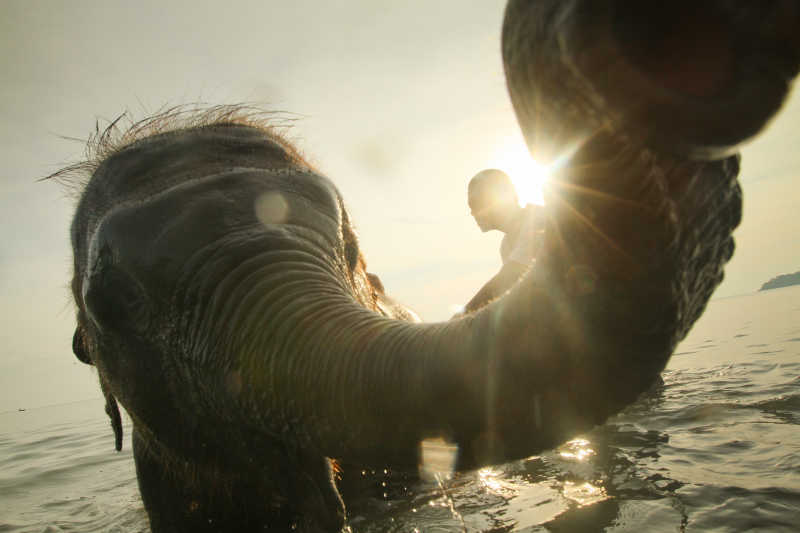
784	280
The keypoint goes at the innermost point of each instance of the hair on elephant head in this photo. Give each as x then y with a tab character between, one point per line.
223	297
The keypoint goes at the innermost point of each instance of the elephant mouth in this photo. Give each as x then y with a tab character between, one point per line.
701	51
702	60
694	79
700	67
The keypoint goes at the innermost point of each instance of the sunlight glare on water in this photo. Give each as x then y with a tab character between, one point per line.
713	448
577	449
492	479
584	493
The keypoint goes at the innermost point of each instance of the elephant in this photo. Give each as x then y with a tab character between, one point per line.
223	297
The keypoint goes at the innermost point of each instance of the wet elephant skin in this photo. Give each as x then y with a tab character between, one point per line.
223	297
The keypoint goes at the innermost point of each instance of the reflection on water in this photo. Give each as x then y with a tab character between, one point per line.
584	493
577	449
716	447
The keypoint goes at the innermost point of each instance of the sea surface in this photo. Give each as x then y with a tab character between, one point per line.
715	448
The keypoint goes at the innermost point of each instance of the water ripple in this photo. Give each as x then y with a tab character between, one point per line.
714	448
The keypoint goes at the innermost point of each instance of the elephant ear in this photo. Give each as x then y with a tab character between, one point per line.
112	410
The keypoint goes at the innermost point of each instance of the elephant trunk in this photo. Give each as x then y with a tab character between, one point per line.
633	250
639	231
297	355
689	78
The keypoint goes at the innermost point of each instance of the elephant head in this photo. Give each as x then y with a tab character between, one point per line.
222	295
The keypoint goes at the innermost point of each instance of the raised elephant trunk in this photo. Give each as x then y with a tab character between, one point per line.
223	297
587	330
685	77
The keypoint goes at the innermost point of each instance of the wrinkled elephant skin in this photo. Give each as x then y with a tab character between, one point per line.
222	295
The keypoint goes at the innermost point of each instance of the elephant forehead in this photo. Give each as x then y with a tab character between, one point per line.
156	163
161	161
179	190
156	236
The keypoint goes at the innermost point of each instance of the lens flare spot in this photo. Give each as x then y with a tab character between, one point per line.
438	459
272	208
233	382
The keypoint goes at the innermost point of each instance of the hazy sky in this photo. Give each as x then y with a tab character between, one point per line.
399	103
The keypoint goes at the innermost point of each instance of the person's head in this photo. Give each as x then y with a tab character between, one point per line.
492	199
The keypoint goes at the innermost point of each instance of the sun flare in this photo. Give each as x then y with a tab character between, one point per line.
528	175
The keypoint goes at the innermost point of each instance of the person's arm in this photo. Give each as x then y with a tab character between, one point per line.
500	283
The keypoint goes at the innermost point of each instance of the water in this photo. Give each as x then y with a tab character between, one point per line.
716	448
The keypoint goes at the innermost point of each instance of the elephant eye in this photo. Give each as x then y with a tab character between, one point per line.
79	348
114	299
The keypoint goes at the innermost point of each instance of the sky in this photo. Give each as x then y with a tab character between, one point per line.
399	103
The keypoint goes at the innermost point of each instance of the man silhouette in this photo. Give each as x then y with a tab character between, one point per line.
494	204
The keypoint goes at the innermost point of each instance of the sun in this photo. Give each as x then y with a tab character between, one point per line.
528	175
